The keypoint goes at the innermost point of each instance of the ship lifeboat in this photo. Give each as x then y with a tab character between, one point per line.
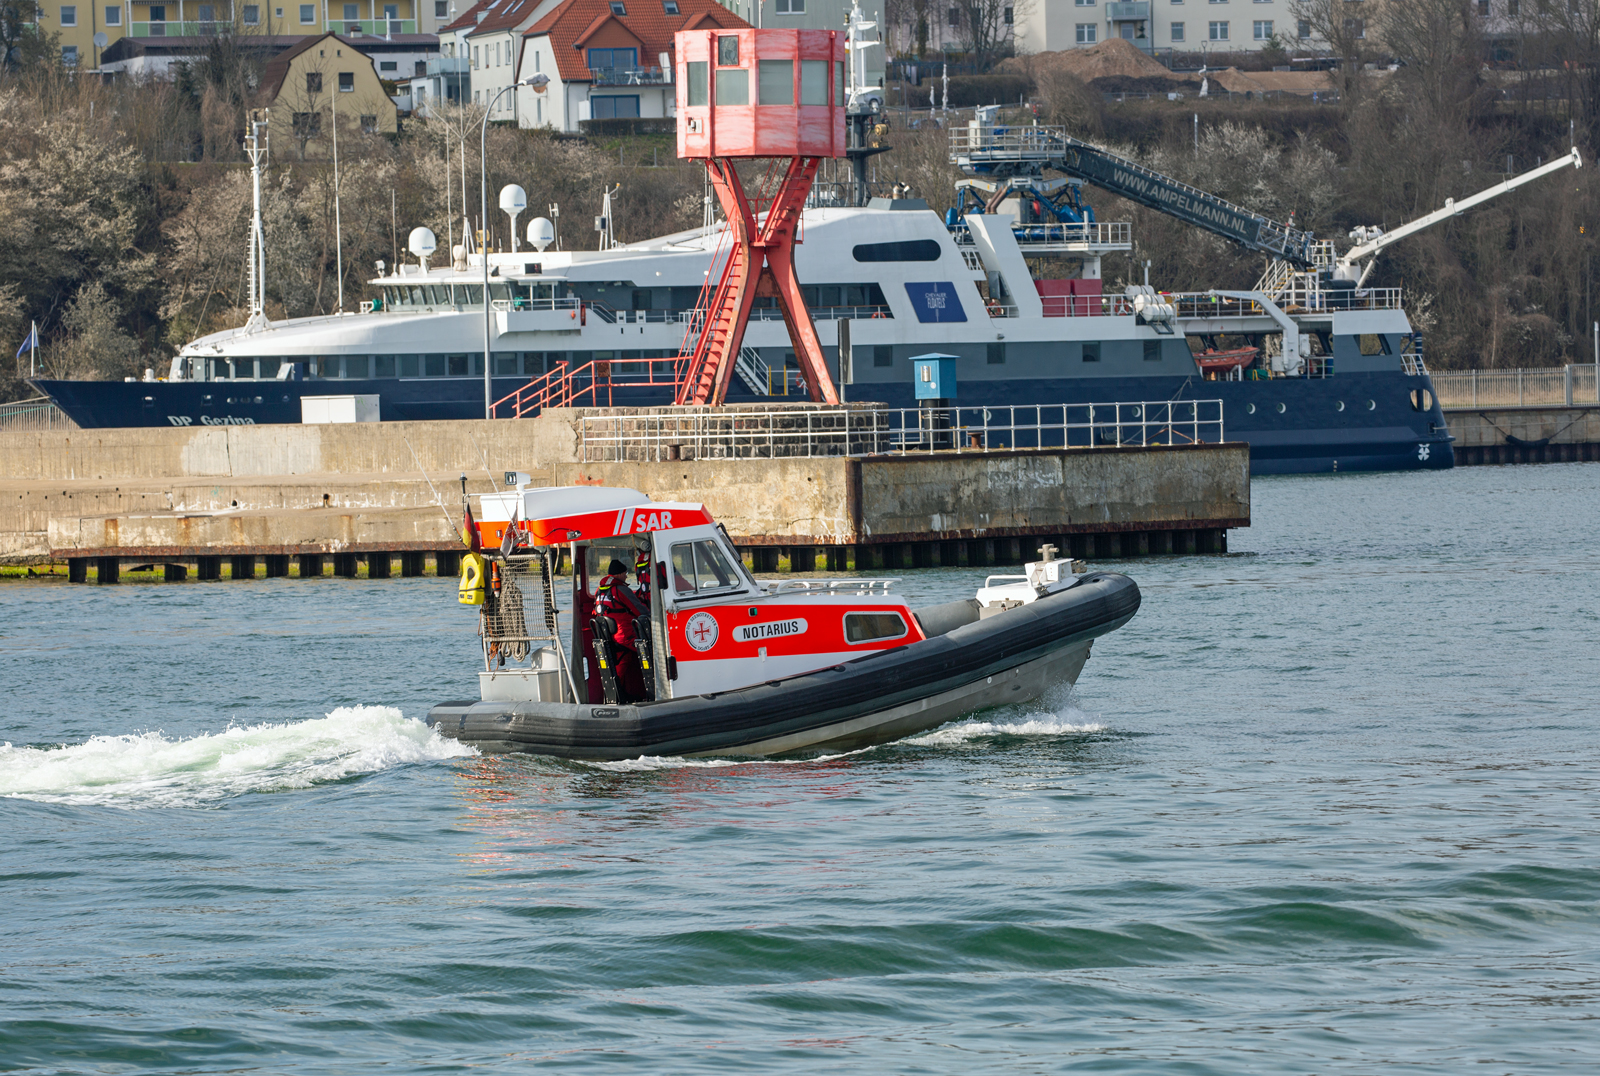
1214	361
663	644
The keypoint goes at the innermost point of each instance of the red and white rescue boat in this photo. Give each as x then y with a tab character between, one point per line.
669	646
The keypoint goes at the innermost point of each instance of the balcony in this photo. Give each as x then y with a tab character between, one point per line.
449	65
372	27
181	29
1138	11
629	76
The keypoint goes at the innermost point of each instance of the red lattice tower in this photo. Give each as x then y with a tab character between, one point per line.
742	95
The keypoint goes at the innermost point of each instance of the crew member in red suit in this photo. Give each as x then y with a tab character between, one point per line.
614	599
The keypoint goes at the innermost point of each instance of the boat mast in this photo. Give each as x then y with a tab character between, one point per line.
256	144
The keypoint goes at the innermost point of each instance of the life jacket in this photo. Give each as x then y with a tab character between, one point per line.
641	578
613	598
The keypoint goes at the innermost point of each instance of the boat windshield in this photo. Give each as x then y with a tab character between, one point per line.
702	568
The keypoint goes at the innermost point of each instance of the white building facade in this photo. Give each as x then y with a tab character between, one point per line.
1183	25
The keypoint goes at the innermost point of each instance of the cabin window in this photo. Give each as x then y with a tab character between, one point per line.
883	354
1373	344
702	568
697	83
1152	351
733	86
1091	352
383	366
911	250
813	82
777	82
728	51
872	627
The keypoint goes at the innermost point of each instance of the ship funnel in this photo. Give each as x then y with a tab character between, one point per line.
541	233
513	200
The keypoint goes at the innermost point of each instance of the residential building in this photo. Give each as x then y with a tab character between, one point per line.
493	47
1184	25
608	59
320	79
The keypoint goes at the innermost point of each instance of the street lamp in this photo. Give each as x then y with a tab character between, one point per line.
483	221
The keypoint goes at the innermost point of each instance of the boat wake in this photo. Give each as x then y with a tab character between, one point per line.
140	770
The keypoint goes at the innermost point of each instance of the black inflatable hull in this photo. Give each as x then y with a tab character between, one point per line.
1010	657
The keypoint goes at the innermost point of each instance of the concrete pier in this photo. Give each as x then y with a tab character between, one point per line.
381	500
1494	435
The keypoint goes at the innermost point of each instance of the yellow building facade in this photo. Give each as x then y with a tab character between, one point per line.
318	82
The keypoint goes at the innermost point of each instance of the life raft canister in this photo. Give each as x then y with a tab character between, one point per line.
471	590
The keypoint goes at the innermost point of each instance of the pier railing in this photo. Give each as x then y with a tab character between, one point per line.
867	431
1555	386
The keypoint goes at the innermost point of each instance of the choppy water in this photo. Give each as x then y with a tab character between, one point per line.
1327	805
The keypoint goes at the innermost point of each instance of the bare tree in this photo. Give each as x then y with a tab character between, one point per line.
1341	27
984	28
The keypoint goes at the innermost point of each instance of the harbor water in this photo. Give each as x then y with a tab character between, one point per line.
1328	804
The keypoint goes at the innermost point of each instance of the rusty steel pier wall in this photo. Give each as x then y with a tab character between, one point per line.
382	499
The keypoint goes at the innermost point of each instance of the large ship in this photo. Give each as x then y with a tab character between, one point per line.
1316	370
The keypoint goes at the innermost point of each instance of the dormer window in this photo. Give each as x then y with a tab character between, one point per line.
670	6
618	7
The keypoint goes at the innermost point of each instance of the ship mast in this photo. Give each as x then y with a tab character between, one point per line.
256	144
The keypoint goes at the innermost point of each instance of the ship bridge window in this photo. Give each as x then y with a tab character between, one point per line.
910	250
873	627
1373	344
500	291
702	568
383	366
469	294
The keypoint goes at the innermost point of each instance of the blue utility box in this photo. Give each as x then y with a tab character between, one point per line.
935	376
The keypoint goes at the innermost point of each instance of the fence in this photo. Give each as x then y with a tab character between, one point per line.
1549	387
40	414
864	431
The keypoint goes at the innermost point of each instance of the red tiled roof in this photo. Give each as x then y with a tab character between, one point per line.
467	19
505	15
572	25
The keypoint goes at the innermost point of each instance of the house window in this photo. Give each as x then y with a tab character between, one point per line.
308	14
1261	29
1177	31
669	6
955	18
475	65
618	7
1513	7
369	125
613	59
1083	3
158	13
1483	9
728	51
352	12
69	15
307	124
391	12
252	15
207	13
791	7
1008	16
1305	29
614	107
69	55
1219	31
1356	28
347	81
441	9
313	81
1087	32
113	16
388	65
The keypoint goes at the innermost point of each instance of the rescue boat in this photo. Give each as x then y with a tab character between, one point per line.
713	661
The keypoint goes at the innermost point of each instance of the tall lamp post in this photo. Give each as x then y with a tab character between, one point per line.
483	222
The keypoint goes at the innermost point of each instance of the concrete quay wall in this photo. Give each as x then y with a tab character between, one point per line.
1555	434
181	494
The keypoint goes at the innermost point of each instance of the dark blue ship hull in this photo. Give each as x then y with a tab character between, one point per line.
1350	422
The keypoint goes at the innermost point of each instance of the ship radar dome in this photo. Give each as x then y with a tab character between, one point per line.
541	233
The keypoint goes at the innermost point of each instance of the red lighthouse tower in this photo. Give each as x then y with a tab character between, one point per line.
745	94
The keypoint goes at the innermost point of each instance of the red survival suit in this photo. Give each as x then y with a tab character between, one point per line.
614	599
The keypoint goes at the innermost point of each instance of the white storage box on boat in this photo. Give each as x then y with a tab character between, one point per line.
316	410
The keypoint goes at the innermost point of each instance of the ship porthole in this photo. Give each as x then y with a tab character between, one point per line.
1249	409
1282	408
1372	405
1341	405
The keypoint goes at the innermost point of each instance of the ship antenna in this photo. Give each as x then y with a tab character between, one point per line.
256	146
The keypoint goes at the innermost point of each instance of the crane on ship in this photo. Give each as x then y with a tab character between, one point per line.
1005	161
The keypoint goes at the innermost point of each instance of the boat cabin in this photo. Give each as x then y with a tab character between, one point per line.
662	605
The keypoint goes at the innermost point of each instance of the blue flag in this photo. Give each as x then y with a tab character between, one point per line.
30	343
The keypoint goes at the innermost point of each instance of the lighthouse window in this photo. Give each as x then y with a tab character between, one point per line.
777	82
911	250
813	82
733	86
871	627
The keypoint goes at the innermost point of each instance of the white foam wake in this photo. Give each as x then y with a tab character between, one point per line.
1057	716
149	770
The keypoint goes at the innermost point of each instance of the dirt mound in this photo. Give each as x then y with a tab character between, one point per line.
1114	58
1120	84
